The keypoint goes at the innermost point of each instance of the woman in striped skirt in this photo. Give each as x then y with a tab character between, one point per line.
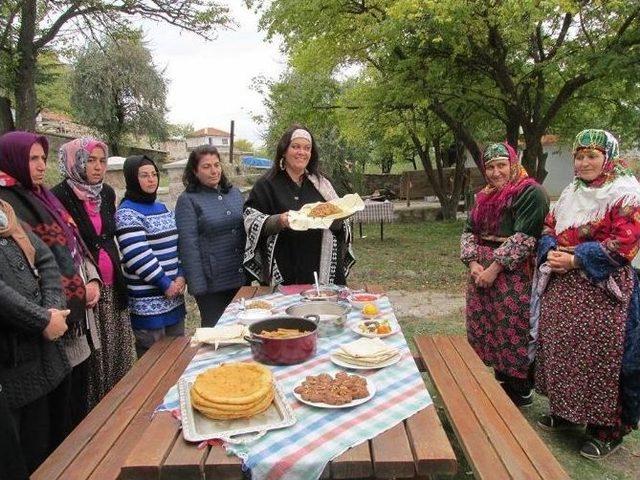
148	239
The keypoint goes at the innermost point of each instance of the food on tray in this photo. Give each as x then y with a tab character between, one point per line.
324	210
341	390
233	390
370	310
282	333
377	327
366	352
364	297
262	304
227	334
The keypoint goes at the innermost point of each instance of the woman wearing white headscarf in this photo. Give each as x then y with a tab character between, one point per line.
587	319
276	254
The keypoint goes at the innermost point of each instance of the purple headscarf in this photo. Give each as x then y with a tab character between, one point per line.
15	148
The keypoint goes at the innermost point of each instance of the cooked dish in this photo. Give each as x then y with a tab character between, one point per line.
282	333
342	389
259	304
324	210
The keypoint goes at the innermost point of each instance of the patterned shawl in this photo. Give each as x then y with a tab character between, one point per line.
72	162
491	201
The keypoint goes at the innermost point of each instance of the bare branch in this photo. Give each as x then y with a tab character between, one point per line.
568	18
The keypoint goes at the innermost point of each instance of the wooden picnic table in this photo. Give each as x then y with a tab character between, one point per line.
121	438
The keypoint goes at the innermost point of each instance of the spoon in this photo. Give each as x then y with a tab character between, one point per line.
315	276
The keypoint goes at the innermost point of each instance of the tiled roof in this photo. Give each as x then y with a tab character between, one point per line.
209	132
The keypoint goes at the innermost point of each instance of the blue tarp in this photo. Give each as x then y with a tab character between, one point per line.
257	162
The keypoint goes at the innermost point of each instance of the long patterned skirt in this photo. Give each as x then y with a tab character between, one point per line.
498	319
117	355
580	347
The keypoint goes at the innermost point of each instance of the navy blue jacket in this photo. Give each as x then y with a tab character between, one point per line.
211	239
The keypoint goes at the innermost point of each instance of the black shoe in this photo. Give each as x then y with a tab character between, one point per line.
552	423
520	400
596	449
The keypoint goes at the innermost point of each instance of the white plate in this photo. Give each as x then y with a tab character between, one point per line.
252	315
393	360
356	328
370	386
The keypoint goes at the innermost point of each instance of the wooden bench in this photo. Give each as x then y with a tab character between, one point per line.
497	440
122	439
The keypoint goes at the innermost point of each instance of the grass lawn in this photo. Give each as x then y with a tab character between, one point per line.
425	257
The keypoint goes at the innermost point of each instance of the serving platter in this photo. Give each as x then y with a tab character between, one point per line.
354	403
356	328
197	428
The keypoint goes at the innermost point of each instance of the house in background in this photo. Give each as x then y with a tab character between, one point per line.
209	136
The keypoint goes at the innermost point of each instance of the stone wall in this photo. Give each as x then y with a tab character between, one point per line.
420	187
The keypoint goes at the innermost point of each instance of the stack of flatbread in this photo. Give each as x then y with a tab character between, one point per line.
221	335
366	352
233	390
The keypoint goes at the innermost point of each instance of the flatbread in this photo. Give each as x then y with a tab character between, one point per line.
217	414
234	383
367	348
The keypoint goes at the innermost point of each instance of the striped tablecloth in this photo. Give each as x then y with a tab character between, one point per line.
319	435
375	212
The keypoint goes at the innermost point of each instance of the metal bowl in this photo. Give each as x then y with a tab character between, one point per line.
333	315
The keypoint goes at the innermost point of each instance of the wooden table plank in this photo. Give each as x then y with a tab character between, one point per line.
431	448
391	454
109	467
488	414
354	463
220	466
185	461
73	445
149	453
474	442
531	443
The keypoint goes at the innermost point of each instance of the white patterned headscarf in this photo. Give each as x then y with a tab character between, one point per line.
72	162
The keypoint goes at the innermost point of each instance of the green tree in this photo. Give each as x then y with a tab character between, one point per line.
179	129
518	63
117	90
29	27
243	145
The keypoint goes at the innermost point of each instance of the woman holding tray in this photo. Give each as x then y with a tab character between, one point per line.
276	254
498	245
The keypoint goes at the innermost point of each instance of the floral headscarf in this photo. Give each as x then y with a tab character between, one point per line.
72	162
606	144
491	201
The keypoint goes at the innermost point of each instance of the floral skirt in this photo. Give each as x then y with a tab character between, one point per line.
580	347
117	354
498	319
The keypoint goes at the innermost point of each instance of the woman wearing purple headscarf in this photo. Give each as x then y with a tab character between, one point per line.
23	159
92	204
498	245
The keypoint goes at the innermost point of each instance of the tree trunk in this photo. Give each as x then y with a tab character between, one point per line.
449	208
25	89
6	118
533	157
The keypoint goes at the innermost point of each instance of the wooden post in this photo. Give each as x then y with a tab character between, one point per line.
231	143
408	190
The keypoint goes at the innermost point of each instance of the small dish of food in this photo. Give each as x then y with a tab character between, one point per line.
359	300
325	294
375	328
370	310
342	391
259	304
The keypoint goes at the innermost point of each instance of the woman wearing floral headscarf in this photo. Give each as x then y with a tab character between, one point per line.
92	204
498	245
587	329
23	157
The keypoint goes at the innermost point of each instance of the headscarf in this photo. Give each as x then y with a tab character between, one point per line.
491	201
607	144
134	192
15	148
72	162
10	227
583	202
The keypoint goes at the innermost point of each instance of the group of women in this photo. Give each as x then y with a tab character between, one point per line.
87	283
552	300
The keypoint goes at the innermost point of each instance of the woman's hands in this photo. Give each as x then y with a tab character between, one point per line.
176	288
561	262
92	293
283	221
57	324
484	277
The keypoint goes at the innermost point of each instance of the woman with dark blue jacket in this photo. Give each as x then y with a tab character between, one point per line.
211	234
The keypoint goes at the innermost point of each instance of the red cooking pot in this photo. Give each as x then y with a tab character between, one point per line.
284	351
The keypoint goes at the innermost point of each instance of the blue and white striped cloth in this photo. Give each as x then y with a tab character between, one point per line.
319	435
148	241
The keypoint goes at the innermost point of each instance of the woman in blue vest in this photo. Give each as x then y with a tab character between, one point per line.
211	234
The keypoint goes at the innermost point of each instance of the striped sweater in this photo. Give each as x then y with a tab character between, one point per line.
148	241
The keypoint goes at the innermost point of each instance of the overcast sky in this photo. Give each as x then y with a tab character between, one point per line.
210	82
